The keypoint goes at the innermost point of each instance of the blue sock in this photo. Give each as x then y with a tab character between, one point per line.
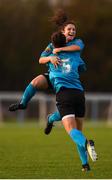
54	117
28	94
78	137
83	154
80	140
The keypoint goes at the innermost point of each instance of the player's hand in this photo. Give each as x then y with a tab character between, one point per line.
56	50
55	61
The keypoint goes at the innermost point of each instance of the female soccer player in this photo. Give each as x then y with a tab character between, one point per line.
42	81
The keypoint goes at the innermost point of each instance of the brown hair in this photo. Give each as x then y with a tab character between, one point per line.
58	39
60	19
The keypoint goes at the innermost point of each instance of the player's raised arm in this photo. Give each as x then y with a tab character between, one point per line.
67	48
75	45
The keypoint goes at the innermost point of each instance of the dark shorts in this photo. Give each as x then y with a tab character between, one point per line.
71	101
50	88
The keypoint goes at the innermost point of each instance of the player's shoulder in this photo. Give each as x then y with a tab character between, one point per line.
78	40
50	45
49	48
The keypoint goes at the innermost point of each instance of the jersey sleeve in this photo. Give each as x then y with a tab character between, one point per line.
48	50
77	42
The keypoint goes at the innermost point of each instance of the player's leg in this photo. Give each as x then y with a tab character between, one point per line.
80	140
54	117
40	82
50	120
70	126
82	153
65	103
90	143
80	113
57	117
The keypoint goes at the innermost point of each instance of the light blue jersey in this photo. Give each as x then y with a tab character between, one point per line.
67	74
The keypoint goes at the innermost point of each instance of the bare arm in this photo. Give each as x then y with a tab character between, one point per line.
53	59
44	60
67	48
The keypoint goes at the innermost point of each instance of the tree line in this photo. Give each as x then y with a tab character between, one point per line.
25	31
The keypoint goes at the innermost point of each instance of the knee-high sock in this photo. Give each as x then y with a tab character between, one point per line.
80	140
28	94
83	154
78	137
54	117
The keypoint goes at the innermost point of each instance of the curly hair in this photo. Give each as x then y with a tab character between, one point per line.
60	19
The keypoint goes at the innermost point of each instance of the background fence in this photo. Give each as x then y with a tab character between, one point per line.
98	107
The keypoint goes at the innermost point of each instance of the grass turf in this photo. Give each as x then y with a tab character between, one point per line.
26	153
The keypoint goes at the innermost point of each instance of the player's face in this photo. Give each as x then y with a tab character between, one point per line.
69	32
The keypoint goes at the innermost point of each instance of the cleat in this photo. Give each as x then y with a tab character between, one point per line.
85	167
91	150
16	106
49	127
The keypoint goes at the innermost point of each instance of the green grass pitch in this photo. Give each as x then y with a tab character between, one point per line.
27	153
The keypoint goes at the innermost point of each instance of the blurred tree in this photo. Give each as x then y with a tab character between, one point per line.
25	32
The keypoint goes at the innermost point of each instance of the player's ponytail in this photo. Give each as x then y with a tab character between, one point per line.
60	19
